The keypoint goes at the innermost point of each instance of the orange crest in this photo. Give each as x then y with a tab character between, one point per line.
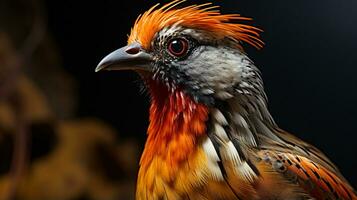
204	17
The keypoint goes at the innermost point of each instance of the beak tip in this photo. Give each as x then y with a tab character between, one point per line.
98	68
101	66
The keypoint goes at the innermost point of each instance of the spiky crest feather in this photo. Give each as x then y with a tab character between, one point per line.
203	17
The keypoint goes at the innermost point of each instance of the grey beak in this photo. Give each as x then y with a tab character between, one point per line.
131	57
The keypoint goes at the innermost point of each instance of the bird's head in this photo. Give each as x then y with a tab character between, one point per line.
199	78
194	49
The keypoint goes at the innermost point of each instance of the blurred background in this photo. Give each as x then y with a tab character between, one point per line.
69	133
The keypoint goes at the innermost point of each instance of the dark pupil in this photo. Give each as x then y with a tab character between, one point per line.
177	47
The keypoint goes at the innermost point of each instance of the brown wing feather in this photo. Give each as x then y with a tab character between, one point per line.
308	150
316	179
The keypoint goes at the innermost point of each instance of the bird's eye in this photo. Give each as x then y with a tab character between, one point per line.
178	47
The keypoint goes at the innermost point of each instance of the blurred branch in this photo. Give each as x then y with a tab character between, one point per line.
22	56
19	59
36	34
19	159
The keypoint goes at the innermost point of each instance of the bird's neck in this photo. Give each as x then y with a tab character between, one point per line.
178	131
177	123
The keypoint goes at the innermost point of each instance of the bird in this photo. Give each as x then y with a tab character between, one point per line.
211	135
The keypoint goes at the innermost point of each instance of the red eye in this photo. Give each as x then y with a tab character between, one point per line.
178	47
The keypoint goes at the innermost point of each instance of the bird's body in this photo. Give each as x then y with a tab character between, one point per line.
211	135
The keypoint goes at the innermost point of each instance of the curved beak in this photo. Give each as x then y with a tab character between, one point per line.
130	57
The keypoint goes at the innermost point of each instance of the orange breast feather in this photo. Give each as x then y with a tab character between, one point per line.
177	125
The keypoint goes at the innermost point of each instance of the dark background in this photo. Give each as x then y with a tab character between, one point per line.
308	64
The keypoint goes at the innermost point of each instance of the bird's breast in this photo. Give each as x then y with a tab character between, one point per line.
177	161
196	177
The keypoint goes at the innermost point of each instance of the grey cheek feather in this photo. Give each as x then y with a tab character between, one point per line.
217	74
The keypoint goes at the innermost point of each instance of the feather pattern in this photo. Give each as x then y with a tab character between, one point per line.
313	177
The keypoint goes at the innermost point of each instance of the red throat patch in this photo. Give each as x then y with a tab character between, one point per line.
176	125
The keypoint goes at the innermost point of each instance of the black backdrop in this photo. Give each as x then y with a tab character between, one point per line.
309	66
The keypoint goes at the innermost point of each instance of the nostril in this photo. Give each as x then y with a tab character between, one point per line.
133	50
